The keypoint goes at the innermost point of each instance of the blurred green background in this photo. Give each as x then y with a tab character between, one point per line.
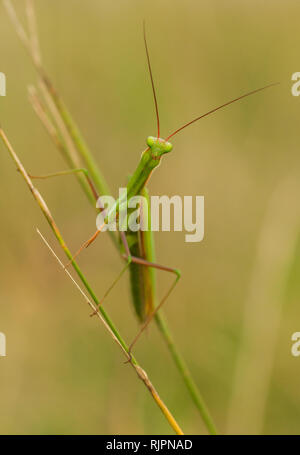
238	304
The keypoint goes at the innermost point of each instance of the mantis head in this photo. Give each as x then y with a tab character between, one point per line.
158	146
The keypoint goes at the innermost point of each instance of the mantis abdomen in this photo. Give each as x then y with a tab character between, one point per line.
142	279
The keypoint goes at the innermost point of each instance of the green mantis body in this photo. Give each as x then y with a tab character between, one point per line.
139	246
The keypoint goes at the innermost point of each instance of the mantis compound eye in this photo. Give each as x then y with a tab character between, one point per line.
168	147
151	141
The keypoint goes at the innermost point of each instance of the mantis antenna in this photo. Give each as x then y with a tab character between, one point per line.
220	107
152	81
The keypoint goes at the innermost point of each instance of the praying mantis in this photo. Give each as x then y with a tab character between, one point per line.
138	247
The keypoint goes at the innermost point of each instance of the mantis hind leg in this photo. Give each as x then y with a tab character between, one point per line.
113	284
145	263
69	172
